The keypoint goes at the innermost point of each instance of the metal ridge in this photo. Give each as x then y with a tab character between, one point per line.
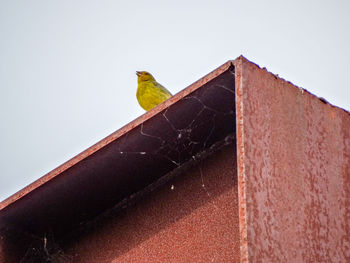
112	137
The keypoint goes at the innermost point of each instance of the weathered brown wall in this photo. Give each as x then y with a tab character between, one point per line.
190	223
294	171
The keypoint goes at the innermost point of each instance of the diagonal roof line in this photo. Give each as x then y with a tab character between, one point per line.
115	135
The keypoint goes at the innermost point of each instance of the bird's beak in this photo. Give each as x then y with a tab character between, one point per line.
138	73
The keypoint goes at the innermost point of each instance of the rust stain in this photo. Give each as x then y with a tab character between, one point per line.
240	161
293	171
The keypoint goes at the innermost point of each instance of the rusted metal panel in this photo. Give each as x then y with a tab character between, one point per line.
293	171
189	126
192	218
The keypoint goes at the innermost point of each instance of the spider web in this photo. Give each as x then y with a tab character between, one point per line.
181	136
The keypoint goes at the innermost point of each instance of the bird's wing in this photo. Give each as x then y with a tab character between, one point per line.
163	89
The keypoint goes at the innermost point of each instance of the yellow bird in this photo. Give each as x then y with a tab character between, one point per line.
149	92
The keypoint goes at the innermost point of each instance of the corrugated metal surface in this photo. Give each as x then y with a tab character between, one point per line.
294	171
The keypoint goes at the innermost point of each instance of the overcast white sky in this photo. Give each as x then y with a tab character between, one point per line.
67	68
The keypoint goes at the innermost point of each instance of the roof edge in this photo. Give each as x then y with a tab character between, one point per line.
115	135
241	59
